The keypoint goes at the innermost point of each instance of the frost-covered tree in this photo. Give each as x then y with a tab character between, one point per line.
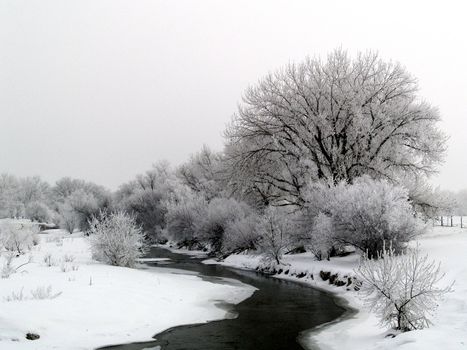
146	198
322	239
403	290
10	203
220	212
184	212
116	239
85	199
242	233
203	173
332	120
68	218
276	231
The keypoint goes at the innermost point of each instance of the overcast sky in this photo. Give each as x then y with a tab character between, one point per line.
101	89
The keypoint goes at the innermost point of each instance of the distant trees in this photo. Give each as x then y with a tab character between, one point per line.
145	197
203	173
79	201
334	121
402	289
24	197
116	239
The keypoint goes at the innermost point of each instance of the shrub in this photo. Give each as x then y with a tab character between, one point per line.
363	214
401	289
242	234
17	237
116	239
220	213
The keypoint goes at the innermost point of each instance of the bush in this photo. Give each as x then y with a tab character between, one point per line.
17	237
116	239
242	234
220	213
402	290
363	214
182	216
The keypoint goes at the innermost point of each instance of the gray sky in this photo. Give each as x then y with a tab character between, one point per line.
101	89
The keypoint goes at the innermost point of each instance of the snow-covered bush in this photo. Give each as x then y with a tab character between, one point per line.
116	239
68	218
369	212
49	260
8	268
242	233
275	228
38	211
403	290
42	292
363	214
182	216
17	236
220	212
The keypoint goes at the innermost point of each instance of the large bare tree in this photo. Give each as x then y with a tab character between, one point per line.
332	120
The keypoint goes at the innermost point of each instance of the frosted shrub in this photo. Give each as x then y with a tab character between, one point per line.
182	216
48	260
17	237
242	234
15	296
220	212
42	292
365	214
68	258
116	239
402	289
8	268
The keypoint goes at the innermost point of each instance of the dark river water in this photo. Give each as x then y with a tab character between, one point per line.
273	318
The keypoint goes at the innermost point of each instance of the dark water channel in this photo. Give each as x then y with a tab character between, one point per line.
271	319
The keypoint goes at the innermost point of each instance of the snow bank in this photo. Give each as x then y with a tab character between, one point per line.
96	305
360	330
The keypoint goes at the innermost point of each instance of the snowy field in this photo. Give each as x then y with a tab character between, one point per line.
73	302
361	331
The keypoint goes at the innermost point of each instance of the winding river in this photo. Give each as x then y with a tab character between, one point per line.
275	317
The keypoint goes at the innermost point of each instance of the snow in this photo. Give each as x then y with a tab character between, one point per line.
99	305
361	330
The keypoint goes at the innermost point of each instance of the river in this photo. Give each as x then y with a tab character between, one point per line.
275	317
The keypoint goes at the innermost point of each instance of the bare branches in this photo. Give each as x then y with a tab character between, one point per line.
402	289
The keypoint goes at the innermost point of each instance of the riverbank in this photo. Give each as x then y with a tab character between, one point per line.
73	302
360	330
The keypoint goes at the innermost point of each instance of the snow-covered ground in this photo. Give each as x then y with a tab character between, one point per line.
93	304
361	330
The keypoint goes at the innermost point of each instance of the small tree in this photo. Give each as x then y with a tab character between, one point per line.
402	289
275	229
68	218
116	239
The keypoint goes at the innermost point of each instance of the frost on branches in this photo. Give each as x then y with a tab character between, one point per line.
116	239
402	289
